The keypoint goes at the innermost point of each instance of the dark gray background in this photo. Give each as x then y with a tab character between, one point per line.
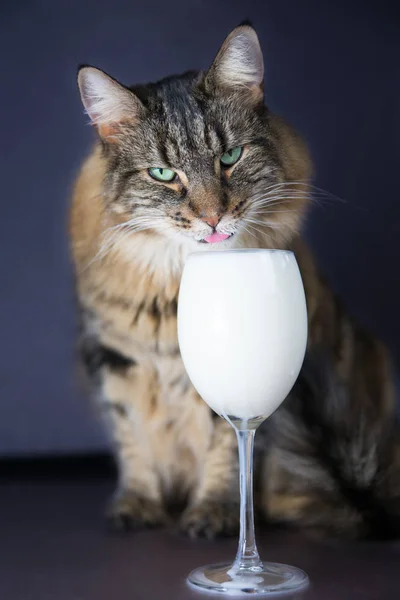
332	68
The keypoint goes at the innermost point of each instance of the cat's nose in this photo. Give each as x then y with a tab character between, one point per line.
211	220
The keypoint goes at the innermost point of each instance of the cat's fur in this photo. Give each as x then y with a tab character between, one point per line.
331	446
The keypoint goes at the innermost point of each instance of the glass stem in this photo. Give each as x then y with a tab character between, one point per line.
247	556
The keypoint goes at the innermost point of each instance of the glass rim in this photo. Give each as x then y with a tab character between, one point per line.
242	251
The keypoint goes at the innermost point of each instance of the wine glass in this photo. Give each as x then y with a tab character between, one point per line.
242	329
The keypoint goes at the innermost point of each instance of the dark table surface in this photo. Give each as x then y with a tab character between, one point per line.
53	546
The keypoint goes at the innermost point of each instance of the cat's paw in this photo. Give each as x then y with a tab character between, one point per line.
130	511
210	519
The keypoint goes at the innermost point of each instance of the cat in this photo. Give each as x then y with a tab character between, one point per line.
175	162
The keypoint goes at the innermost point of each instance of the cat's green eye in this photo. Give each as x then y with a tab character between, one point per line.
232	156
166	175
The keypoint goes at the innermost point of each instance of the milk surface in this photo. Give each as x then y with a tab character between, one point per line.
242	328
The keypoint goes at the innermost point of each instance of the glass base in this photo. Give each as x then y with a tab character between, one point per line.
268	579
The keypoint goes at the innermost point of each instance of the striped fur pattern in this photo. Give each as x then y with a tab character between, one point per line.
130	235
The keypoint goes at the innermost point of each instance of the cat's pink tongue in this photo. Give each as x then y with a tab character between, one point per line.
214	238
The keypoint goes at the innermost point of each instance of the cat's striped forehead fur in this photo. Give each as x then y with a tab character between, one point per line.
186	123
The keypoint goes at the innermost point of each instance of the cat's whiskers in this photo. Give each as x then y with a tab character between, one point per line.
306	190
260	232
245	228
114	236
254	227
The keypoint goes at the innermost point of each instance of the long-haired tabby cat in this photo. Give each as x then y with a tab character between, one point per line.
174	162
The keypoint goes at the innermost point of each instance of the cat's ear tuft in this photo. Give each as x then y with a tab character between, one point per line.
239	63
107	102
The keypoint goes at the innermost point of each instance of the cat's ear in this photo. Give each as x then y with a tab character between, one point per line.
239	63
108	103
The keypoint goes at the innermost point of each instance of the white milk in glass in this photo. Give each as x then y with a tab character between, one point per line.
242	327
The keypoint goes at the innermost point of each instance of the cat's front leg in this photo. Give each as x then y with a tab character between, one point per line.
137	502
214	506
125	391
